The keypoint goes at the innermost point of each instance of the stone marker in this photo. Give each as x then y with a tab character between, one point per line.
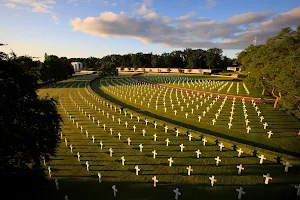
166	129
104	126
56	184
66	142
221	146
298	189
101	144
181	147
167	140
198	152
141	147
262	158
204	141
78	156
240	167
114	190
49	171
144	132
137	170
155	125
66	197
240	152
128	141
265	125
134	127
177	193
170	161
240	192
87	166
189	168
267	178
212	180
71	148
154	181
154	153
155	137
177	132
269	134
218	160
123	160
287	165
110	152
190	137
99	177
119	134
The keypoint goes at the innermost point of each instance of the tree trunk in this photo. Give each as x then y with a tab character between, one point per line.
277	97
264	89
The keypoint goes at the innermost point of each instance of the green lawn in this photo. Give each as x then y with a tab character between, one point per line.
284	126
79	184
216	84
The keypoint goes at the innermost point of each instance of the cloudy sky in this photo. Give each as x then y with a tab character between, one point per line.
83	28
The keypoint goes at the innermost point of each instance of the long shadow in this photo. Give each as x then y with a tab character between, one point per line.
189	126
89	188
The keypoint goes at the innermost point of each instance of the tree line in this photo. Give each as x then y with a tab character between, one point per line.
275	67
186	59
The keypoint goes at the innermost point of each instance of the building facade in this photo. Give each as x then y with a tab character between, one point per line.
77	66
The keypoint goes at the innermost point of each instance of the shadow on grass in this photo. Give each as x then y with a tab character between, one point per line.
78	189
189	126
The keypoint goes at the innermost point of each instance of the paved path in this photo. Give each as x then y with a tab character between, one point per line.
247	99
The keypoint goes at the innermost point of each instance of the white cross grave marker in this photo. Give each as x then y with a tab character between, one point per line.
198	152
240	167
212	180
170	161
218	160
177	193
181	147
267	178
154	180
262	158
114	190
189	168
240	192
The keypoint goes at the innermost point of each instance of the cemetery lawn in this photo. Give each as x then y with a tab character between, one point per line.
78	183
283	125
222	80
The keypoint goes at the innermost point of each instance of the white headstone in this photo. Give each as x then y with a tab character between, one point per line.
154	153
170	161
262	158
240	167
114	190
240	192
177	193
218	160
181	147
189	168
287	165
198	152
267	178
137	170
154	180
212	180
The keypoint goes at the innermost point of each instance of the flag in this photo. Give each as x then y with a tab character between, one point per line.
254	41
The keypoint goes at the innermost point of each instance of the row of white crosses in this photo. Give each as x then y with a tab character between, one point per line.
195	83
186	114
189	168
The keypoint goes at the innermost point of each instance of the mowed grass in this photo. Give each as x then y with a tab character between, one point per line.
283	125
209	84
77	183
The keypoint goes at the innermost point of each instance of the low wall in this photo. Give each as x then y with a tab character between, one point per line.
165	70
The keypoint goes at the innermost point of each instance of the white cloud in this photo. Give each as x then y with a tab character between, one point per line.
40	6
10	5
237	32
208	4
186	17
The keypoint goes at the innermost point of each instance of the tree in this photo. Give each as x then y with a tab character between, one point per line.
56	69
214	57
29	130
275	66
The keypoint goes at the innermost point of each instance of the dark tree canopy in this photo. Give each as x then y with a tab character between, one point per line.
275	67
29	130
56	69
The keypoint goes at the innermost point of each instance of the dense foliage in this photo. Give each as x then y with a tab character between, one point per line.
29	128
56	69
187	59
275	66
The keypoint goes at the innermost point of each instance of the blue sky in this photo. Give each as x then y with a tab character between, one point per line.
83	28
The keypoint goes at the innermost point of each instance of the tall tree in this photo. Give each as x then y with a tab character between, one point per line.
29	131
